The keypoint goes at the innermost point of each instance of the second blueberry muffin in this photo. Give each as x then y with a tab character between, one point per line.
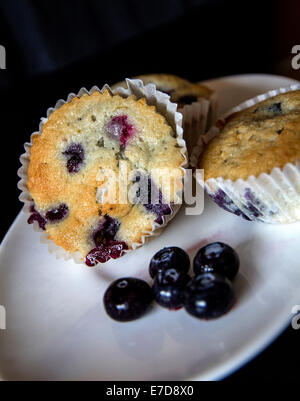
251	167
181	91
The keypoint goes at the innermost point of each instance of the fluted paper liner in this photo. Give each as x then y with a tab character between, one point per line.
198	117
153	98
269	198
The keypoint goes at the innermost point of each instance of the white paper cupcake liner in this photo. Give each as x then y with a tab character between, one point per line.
198	117
197	124
134	87
270	198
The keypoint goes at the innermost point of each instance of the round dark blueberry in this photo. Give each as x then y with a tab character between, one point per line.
127	299
58	213
169	257
208	296
168	287
171	276
217	258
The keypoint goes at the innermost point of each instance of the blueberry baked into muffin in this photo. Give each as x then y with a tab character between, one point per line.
68	181
251	167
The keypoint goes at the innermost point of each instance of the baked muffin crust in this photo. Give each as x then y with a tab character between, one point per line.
255	140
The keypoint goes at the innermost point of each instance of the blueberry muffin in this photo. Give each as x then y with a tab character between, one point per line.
72	165
251	167
166	83
181	91
190	94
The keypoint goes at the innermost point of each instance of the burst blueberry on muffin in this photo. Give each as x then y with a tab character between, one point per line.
252	142
67	173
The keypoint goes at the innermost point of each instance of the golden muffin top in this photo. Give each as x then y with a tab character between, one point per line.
255	140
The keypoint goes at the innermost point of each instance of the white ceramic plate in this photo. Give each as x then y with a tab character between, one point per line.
57	328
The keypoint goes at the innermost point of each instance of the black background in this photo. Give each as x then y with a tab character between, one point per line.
54	48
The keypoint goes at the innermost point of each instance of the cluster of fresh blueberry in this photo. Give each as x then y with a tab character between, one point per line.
208	295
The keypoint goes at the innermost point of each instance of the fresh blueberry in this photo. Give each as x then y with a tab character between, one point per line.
217	258
127	299
104	252
208	296
169	257
119	129
75	156
58	213
168	287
